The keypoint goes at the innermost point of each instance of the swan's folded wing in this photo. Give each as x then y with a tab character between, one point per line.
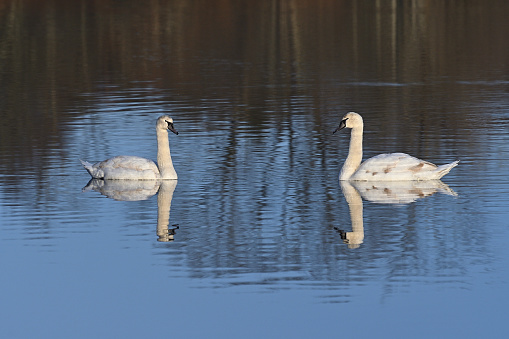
393	166
129	167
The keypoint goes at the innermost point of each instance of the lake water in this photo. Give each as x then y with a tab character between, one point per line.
257	238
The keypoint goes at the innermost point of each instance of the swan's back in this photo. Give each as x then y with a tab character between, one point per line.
123	167
399	166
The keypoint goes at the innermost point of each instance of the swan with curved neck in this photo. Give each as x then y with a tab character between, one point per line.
383	167
127	167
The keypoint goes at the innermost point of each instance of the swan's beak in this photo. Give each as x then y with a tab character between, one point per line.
342	125
171	128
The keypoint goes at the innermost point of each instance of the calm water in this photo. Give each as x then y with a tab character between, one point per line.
257	238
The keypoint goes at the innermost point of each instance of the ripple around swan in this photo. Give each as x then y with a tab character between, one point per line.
257	221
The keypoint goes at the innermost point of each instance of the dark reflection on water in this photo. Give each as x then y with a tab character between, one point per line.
255	89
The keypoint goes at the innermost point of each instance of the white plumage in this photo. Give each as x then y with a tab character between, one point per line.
383	167
128	167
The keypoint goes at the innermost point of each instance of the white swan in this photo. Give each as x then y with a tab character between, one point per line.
383	167
126	167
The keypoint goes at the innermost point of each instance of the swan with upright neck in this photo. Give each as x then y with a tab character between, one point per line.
127	167
383	167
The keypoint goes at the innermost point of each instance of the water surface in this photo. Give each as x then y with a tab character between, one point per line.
257	238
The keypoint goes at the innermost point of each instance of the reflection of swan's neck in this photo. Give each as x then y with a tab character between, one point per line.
164	198
354	200
354	158
164	162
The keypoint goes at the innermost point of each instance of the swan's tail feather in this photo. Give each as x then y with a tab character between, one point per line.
444	169
88	166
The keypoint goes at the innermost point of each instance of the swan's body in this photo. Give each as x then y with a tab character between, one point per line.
127	167
383	167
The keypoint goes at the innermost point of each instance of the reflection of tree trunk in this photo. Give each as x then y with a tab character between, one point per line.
51	56
354	200
163	210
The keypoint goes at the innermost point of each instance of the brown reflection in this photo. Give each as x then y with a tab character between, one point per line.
136	190
397	61
52	51
382	192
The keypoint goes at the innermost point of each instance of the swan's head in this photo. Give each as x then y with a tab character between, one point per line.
350	120
165	122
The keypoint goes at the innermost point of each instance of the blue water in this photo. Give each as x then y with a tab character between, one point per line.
249	242
257	251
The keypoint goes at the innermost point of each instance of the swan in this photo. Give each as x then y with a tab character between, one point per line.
127	167
383	167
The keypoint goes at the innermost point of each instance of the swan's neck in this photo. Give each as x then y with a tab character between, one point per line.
354	158
164	162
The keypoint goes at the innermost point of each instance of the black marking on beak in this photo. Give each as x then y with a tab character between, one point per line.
342	125
171	128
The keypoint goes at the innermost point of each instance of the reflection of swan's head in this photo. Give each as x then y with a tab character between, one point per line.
352	239
165	122
350	120
167	234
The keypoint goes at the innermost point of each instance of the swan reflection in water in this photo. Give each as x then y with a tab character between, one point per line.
136	190
382	192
